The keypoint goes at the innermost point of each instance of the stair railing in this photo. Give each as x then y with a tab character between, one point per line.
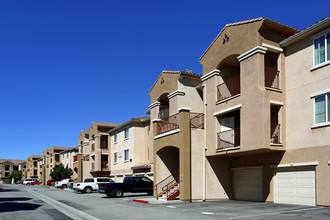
167	184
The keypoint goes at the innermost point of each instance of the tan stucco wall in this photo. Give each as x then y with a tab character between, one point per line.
301	82
165	83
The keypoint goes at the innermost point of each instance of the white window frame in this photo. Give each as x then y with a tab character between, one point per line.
115	138
115	157
327	116
325	48
126	150
126	129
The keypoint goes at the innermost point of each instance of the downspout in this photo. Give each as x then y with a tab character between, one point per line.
205	148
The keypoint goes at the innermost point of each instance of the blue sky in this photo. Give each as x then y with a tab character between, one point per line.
64	64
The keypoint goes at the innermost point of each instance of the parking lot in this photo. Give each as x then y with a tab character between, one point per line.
99	206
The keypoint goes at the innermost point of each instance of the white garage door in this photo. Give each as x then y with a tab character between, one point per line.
295	185
248	184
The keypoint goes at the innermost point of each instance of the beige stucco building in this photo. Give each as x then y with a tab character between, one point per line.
94	151
265	96
32	166
131	149
8	166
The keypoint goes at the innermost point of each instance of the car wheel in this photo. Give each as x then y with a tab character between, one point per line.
64	186
28	184
108	194
88	189
118	193
150	193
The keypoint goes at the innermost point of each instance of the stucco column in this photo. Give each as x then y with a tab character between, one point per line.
97	152
80	168
155	128
185	155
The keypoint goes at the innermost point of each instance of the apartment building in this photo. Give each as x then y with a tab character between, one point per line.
176	113
67	157
32	166
265	96
131	149
51	158
6	167
94	150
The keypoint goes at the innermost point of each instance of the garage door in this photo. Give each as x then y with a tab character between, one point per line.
295	185
248	184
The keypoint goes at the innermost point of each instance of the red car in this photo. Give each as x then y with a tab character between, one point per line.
35	182
49	182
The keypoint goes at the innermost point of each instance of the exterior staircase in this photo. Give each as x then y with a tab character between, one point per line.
169	188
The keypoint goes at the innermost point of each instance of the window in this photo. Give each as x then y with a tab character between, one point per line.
7	167
126	154
115	139
322	49
115	157
126	133
322	109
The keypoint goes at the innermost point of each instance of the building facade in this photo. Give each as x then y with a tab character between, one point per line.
131	149
8	166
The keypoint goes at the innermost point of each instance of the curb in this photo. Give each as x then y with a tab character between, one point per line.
140	201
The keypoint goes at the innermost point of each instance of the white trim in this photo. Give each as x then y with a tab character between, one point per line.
154	105
314	163
324	92
247	168
184	109
257	49
228	110
167	133
320	65
155	120
104	153
276	102
228	149
214	72
97	136
320	125
272	48
175	93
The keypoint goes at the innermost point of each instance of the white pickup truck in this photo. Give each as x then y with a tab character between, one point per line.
91	184
63	183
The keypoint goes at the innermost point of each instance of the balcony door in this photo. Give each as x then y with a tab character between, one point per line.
227	126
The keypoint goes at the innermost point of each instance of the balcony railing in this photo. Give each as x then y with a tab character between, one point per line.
164	113
168	124
197	120
275	131
93	147
75	158
229	138
272	78
104	164
229	88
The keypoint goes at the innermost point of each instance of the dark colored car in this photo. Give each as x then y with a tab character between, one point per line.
49	182
130	184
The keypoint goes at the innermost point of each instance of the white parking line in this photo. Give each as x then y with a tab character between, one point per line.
65	209
171	207
207	213
276	213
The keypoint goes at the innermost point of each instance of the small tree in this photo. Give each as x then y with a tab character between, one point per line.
16	174
59	172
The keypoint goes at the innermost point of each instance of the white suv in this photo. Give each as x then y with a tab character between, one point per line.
28	181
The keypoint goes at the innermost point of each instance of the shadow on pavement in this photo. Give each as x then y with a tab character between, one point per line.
9	190
14	206
14	199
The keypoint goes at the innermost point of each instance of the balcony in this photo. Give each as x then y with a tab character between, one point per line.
93	167
104	165
168	124
229	139
197	120
229	88
93	148
272	78
275	131
164	113
75	158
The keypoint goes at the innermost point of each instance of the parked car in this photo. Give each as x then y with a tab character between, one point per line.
49	182
63	183
91	184
36	182
28	181
130	184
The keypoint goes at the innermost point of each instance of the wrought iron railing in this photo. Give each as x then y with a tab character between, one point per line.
164	113
272	78
168	124
167	185
93	147
275	131
229	138
197	120
229	88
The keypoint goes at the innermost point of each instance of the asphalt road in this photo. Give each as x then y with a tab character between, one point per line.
40	202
